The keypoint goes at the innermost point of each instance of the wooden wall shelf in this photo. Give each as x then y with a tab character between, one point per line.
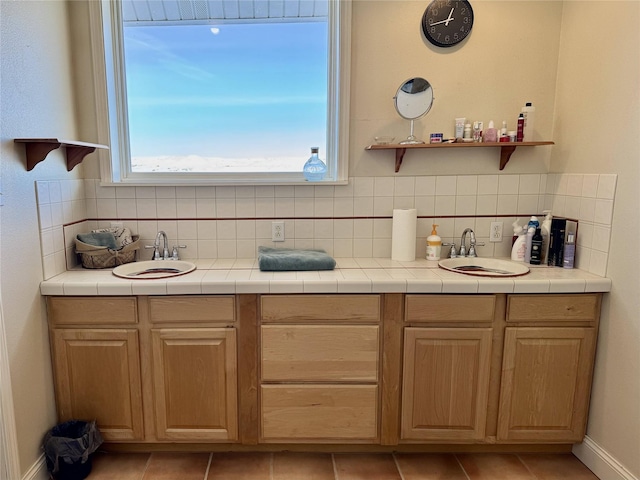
38	149
506	149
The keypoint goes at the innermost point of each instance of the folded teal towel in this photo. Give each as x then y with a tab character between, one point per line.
99	239
283	259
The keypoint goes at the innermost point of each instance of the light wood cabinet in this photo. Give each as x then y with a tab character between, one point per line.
319	368
391	369
194	377
546	382
445	383
97	376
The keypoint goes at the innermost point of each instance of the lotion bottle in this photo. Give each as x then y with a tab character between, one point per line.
528	244
434	244
491	134
517	251
545	230
517	231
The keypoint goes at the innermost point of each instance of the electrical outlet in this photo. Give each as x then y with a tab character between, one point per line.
117	224
495	235
277	231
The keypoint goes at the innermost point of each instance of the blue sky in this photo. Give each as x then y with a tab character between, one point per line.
231	90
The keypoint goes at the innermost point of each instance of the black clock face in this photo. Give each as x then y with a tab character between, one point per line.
446	23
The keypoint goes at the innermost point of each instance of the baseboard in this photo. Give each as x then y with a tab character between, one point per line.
600	462
38	470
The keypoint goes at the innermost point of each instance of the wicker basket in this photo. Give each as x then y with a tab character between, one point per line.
103	257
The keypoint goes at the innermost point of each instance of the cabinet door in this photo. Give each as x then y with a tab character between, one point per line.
194	371
97	375
546	379
445	383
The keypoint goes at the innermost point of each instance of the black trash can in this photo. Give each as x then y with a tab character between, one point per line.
68	448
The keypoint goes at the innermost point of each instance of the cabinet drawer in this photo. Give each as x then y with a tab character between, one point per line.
331	353
319	412
92	310
450	308
335	308
192	309
543	308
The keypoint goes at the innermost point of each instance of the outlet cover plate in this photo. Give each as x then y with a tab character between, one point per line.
495	235
277	231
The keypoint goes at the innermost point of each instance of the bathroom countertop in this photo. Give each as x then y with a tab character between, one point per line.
352	275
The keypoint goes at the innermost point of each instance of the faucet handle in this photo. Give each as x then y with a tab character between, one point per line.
174	254
452	250
156	251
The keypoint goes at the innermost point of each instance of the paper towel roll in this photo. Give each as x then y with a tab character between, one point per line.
403	235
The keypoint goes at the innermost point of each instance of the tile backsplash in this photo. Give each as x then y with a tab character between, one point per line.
353	220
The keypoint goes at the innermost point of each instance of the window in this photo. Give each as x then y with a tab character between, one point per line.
222	91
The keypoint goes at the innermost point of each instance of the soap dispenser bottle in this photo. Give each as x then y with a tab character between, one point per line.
434	244
519	244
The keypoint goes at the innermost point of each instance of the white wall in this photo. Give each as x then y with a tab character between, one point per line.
37	100
598	130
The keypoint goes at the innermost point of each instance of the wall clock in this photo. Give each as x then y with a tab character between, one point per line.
446	23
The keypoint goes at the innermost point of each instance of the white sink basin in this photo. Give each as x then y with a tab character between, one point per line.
151	269
484	267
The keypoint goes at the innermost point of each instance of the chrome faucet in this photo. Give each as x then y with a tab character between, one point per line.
472	244
165	247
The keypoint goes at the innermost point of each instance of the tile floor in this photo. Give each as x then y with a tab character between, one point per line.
343	466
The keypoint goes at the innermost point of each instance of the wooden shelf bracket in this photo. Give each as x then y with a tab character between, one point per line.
37	150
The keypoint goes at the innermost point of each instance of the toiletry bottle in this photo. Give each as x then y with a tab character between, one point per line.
314	169
533	222
517	231
517	251
528	244
569	251
467	132
529	112
545	230
503	130
520	131
536	248
460	123
477	131
491	133
434	244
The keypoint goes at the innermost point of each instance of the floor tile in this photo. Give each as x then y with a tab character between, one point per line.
171	466
366	467
557	467
429	466
240	466
298	466
118	466
491	466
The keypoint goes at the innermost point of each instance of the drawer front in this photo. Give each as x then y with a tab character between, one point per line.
450	308
544	308
192	309
334	308
92	310
319	412
331	353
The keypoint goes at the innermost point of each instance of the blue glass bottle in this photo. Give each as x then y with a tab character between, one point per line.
315	169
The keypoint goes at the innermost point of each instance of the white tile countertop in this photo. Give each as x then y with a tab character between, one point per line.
352	275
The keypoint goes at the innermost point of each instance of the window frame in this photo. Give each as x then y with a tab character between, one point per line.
111	109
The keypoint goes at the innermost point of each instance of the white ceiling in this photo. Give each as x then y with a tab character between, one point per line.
208	11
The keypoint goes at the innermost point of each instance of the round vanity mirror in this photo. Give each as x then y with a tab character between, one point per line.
413	100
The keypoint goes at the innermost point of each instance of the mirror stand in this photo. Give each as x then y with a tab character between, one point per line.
411	139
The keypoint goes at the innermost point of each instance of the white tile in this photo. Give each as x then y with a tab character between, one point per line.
265	191
81	287
601	238
574	184
320	286
382	206
561	285
186	207
225	207
343	247
607	186
562	180
465	204
523	285
529	184
117	286
572	207
382	227
402	202
57	215
508	184
284	206
205	208
185	192
146	207
126	207
362	206
323	207
598	263
126	192
188	229
101	192
55	191
467	184
446	185
405	186
277	285
425	185
487	184
246	229
558	207
363	187
205	192
265	207
44	216
585	234
383	187
445	205
590	185
583	258
42	192
323	228
594	284
355	286
587	209
343	206
303	191
227	249
495	285
303	229
362	247
149	287
604	211
343	191
388	286
425	205
324	191
246	207
245	192
208	248
487	204
507	204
